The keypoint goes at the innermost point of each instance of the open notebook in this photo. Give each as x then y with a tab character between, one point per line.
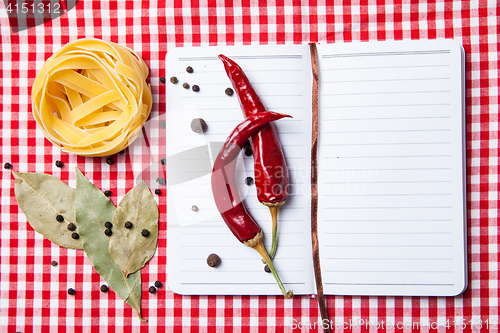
391	216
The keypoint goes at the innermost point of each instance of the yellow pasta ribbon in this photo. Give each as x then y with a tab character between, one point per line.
91	97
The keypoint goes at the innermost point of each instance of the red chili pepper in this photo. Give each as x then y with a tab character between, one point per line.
271	172
232	209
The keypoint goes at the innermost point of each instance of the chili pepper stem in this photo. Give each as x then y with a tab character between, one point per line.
274	208
257	244
274	243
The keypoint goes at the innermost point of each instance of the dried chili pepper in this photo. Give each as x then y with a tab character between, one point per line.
232	209
271	172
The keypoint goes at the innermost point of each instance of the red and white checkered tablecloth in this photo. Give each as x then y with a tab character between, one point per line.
33	295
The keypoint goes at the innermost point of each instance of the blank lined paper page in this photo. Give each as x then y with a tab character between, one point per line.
391	189
281	77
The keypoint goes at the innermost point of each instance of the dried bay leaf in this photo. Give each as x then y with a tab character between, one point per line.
93	209
129	249
42	197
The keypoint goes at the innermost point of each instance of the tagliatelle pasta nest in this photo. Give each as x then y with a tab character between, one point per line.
91	97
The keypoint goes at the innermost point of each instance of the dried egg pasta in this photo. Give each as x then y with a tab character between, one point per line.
91	97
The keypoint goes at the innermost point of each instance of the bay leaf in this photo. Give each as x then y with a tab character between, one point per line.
93	209
42	197
129	249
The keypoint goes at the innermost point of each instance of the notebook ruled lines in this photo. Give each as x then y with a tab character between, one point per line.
388	80
388	220
391	156
387	131
390	194
399	105
402	259
390	182
386	144
388	92
385	67
381	246
389	284
384	54
388	152
421	272
280	78
388	233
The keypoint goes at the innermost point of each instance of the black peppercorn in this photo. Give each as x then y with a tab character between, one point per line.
163	124
7	166
54	263
152	290
161	181
59	164
158	191
71	291
128	225
229	91
249	180
108	232
110	161
196	88
189	69
145	232
59	218
108	225
158	284
107	193
194	208
185	85
248	152
213	260
267	269
163	79
121	152
71	227
163	161
174	80
198	125
75	235
104	288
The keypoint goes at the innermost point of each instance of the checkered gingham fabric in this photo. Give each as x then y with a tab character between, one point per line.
33	293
